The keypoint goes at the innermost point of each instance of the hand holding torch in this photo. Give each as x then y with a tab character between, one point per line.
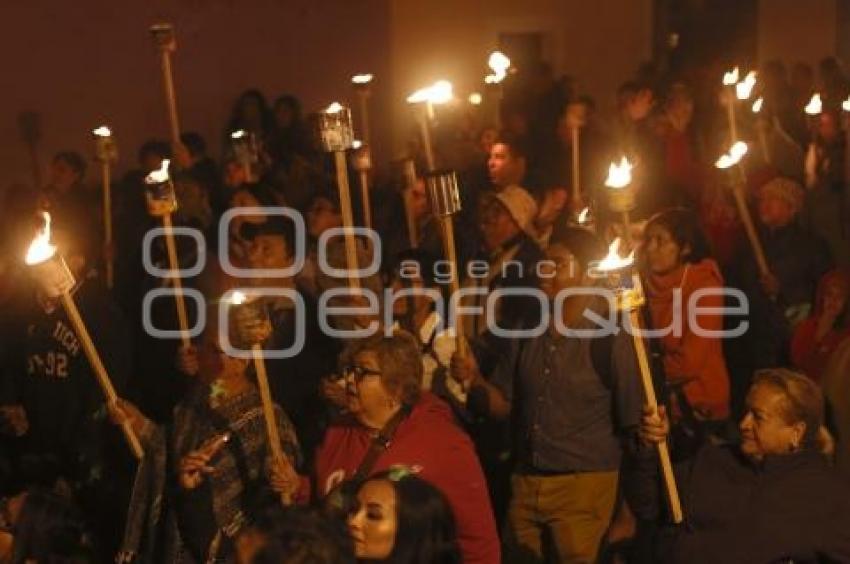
57	281
253	327
162	202
106	153
629	298
163	36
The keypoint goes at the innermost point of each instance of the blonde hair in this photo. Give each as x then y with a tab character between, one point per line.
803	400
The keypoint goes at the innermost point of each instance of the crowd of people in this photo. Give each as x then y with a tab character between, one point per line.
517	432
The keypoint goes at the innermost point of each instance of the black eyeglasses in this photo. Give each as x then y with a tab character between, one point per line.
358	373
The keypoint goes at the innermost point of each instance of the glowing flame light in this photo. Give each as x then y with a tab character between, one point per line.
356	144
757	105
733	157
815	105
362	78
334	108
438	93
102	131
845	105
239	134
744	88
583	216
475	99
238	298
613	261
40	249
159	176
499	63
730	77
619	176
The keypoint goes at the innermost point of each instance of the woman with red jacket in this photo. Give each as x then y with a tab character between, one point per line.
819	335
676	267
393	422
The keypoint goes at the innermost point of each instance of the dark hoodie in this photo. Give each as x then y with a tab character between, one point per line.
429	442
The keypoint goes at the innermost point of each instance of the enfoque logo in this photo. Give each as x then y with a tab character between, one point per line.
346	313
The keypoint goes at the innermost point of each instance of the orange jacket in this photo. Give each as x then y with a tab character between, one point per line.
697	359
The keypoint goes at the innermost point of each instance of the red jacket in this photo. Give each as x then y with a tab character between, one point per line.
696	358
429	441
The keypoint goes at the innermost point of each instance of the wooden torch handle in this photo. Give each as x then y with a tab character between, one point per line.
107	220
749	227
425	130
268	412
174	265
649	392
347	219
364	195
448	233
576	170
99	370
170	97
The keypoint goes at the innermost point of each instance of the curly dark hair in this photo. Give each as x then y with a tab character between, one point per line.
685	229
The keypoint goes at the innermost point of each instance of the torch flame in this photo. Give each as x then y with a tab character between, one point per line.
362	78
744	88
438	93
582	217
356	144
757	105
613	260
733	157
619	176
334	108
815	106
730	77
159	176
102	131
845	105
475	99
238	298
40	249
238	134
499	63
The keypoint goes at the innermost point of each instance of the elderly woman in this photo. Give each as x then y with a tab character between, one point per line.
391	422
772	498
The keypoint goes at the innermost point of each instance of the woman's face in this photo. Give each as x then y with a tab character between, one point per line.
763	429
834	298
373	524
663	253
368	399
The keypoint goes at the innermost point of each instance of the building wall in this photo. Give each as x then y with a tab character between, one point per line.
82	63
791	30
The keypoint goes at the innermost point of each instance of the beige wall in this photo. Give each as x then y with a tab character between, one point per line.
600	42
796	30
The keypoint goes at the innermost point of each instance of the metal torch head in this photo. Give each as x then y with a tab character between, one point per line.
334	128
105	149
163	36
54	276
159	192
361	158
443	192
250	319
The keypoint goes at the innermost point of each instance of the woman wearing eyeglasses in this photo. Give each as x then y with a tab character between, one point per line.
391	422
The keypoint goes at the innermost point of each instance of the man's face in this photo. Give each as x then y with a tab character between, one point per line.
62	176
497	225
560	271
268	252
322	216
639	105
505	169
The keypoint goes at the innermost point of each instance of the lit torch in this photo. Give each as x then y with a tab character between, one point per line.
629	298
744	88
762	124
253	327
57	281
621	197
246	152
106	153
438	93
163	36
337	136
725	162
576	117
362	84
730	80
162	202
361	160
813	111
499	63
